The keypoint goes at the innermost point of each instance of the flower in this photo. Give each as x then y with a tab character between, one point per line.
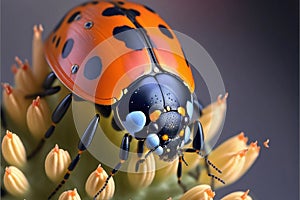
199	192
15	181
238	196
213	117
13	149
24	78
38	117
70	195
15	104
145	173
39	64
233	157
95	182
56	163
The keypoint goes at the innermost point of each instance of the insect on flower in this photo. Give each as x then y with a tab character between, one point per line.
124	59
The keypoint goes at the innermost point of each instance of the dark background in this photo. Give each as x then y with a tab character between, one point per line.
255	46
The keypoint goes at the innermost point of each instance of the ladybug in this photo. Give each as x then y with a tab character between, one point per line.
126	60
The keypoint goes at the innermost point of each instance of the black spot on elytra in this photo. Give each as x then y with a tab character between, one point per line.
57	42
115	125
104	110
76	16
94	2
150	9
165	31
93	68
54	38
67	48
112	12
133	13
129	36
121	2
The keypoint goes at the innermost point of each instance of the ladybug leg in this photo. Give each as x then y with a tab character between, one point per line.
123	155
153	143
57	115
198	146
179	173
48	82
47	86
140	148
84	143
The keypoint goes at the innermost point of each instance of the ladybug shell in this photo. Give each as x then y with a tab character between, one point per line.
90	56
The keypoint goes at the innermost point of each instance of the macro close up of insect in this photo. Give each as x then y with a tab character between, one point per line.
116	104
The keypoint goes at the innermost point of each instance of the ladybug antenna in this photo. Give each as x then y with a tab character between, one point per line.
217	178
214	177
210	163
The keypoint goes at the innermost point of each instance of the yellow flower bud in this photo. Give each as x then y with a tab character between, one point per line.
200	192
231	164
13	149
251	156
70	195
39	64
213	117
237	196
15	104
145	173
233	144
95	182
38	117
24	79
15	181
56	163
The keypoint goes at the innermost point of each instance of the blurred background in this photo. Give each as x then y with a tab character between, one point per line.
255	46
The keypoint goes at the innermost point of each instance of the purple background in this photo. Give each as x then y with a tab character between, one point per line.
255	46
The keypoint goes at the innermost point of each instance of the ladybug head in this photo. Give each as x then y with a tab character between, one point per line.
158	109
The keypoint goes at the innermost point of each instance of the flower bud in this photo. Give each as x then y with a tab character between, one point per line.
233	144
69	195
39	64
231	165
24	79
56	163
13	149
237	196
200	192
145	173
213	117
251	156
15	104
95	182
15	181
38	117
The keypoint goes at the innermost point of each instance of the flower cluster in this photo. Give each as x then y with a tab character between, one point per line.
27	173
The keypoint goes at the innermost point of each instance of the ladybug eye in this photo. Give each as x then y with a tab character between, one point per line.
88	25
74	69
